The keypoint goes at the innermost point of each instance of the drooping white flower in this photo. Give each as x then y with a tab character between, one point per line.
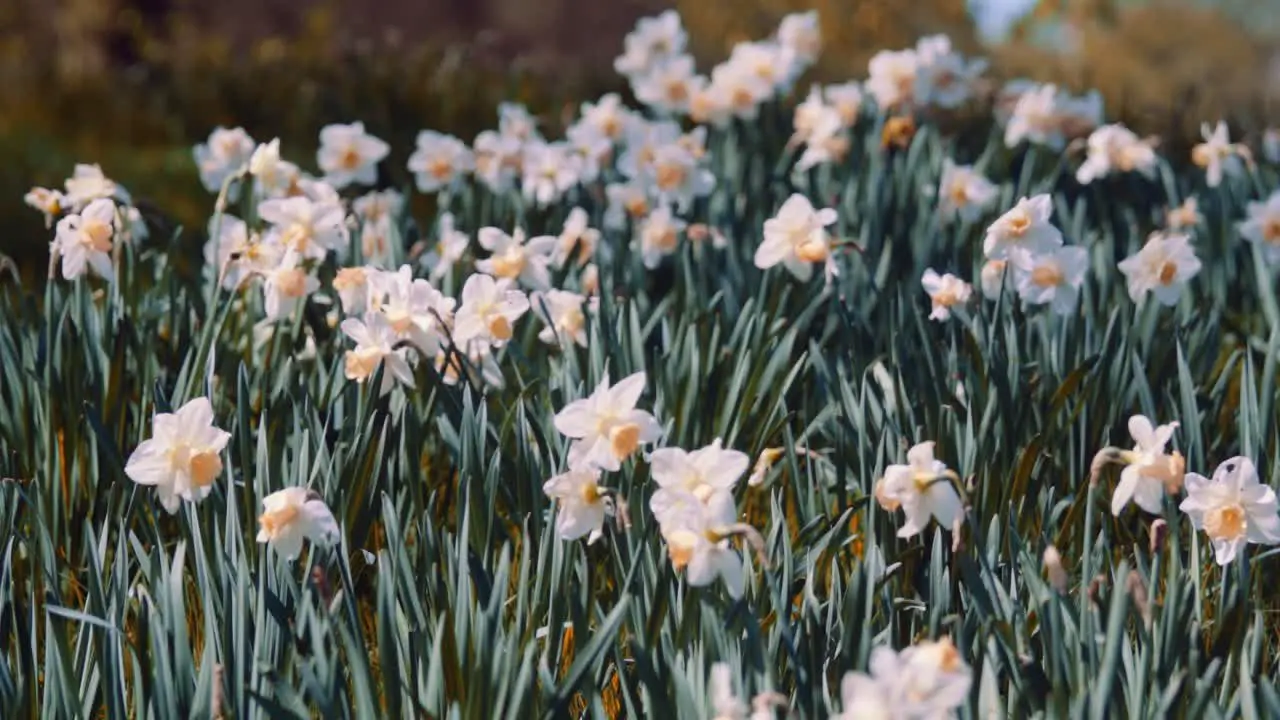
225	154
439	161
1217	154
450	246
565	316
1023	229
376	344
348	154
964	192
993	278
307	227
488	311
796	237
84	240
1262	227
926	680
577	238
1052	277
512	257
923	489
1233	508
606	427
1162	267
659	236
292	515
697	536
581	507
181	458
550	170
1116	148
945	292
49	202
1149	471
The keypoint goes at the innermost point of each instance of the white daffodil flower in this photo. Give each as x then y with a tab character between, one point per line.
581	504
1262	227
292	515
945	292
181	458
349	155
1163	267
84	240
1233	508
927	680
796	237
1023	229
922	488
488	311
376	344
606	427
439	162
1052	277
1149	471
513	257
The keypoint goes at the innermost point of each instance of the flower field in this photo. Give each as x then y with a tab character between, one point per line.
915	396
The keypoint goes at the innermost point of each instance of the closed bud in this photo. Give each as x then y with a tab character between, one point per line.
1159	531
1053	569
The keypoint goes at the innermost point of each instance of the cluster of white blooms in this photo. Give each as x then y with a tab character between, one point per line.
664	77
1233	508
930	75
1048	115
94	216
822	123
1116	149
1031	249
182	461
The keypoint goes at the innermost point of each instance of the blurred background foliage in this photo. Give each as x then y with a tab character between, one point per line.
132	84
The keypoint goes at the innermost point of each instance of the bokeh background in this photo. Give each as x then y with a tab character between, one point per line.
132	84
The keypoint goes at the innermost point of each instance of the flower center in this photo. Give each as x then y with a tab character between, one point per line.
1168	272
440	169
275	522
96	235
590	493
680	546
350	159
205	467
637	206
742	98
509	264
298	237
571	322
670	176
959	192
624	439
499	327
945	298
1226	522
677	91
1271	230
349	279
1047	275
812	251
882	496
1019	224
361	362
292	282
400	320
